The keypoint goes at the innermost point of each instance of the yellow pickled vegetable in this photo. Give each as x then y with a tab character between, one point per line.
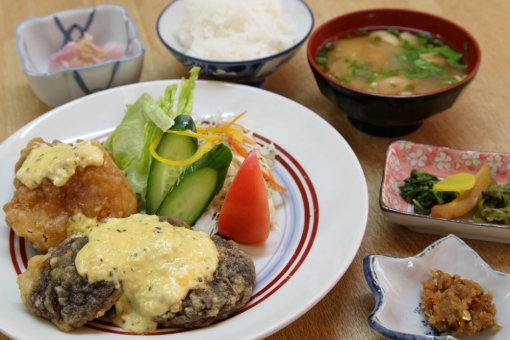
458	182
466	200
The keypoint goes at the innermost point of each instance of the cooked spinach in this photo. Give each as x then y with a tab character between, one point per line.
417	190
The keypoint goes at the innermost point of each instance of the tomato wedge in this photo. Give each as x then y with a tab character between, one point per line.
244	216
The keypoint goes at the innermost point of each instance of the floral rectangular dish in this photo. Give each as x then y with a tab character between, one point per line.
403	156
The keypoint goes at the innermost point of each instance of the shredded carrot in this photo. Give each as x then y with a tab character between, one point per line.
243	154
236	146
250	141
236	118
233	135
271	180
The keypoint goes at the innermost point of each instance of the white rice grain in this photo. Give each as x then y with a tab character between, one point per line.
233	30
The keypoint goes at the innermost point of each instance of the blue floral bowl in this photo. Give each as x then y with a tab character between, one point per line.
396	285
38	38
252	72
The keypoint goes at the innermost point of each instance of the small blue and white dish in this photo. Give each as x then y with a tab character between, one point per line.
396	285
252	72
38	38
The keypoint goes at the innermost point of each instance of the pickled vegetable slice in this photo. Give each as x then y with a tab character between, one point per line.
466	200
458	182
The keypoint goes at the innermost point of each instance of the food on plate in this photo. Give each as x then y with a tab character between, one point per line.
468	199
144	121
458	182
143	270
241	142
233	30
171	146
62	189
244	215
51	288
182	168
418	190
392	62
197	185
154	271
457	306
494	207
84	52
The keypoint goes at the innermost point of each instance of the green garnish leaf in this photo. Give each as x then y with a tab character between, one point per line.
322	53
321	60
420	68
494	207
438	42
415	62
393	30
452	57
344	79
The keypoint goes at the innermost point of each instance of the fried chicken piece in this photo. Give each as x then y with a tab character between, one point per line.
42	215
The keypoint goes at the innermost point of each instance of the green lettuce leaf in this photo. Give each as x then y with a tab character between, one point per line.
166	103
145	120
185	104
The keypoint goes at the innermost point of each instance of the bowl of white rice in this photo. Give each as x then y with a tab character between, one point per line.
240	41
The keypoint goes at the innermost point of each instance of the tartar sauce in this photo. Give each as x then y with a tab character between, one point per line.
79	223
156	264
58	162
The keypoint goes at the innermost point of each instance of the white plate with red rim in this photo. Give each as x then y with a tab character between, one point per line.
322	217
403	156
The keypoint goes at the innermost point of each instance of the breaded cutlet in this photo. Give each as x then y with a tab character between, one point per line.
42	215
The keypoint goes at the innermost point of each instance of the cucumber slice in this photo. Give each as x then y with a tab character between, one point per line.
171	146
197	185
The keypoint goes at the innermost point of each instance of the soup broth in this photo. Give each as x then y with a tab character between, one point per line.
392	62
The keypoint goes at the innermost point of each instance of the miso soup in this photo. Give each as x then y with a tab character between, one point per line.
392	62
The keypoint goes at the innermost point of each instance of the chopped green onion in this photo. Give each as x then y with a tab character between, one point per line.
321	60
393	31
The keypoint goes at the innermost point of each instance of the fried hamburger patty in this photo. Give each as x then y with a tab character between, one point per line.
53	289
42	215
226	293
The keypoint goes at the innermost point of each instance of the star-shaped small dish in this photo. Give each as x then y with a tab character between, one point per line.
396	285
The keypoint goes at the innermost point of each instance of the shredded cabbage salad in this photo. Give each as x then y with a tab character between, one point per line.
266	155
